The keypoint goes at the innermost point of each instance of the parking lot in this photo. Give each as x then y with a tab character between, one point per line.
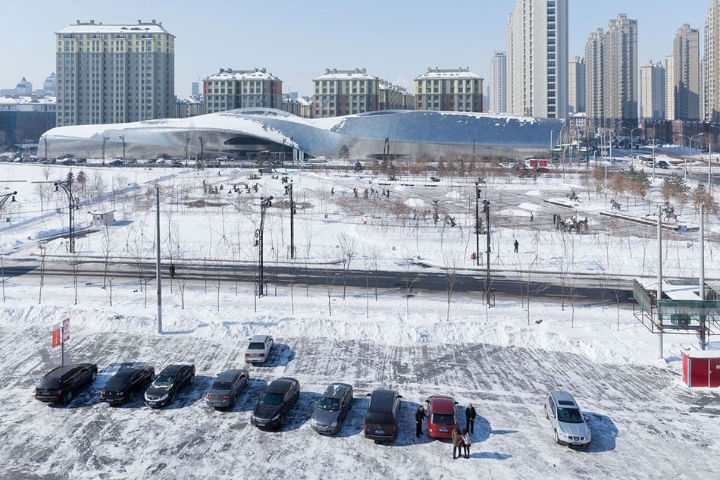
644	423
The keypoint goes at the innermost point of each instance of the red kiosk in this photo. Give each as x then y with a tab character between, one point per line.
701	368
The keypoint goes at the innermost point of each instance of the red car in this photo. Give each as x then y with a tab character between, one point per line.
442	416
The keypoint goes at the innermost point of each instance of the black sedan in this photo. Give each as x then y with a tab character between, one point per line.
62	383
123	386
275	402
166	386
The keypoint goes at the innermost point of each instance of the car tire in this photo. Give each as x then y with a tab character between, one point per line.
192	379
93	376
546	414
557	439
67	396
132	397
172	398
234	402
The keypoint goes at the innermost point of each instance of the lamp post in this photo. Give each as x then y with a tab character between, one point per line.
631	138
289	191
73	204
122	138
477	224
202	146
105	139
691	139
486	210
45	140
710	160
264	204
5	197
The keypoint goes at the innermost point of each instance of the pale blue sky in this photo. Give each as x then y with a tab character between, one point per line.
298	39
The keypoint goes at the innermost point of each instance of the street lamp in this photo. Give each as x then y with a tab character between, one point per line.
289	191
488	294
122	138
477	224
631	138
691	139
5	197
264	204
105	139
73	204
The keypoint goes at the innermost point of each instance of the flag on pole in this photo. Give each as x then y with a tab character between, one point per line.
66	329
56	336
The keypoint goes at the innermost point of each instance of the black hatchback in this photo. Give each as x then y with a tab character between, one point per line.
381	420
62	383
128	381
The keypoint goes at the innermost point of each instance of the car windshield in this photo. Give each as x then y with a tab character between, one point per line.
272	398
569	415
221	386
49	383
443	419
164	381
256	346
332	404
379	418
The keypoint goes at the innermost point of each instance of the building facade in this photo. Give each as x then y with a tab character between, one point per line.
497	90
670	87
394	97
686	75
576	85
114	73
230	89
611	75
189	107
345	92
25	119
537	58
652	91
711	73
453	90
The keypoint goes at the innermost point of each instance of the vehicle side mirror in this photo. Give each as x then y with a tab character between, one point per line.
399	396
456	403
368	394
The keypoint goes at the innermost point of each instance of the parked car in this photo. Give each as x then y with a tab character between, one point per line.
434	179
567	420
381	420
332	408
61	384
225	389
275	403
152	160
259	349
168	384
115	162
67	161
128	381
442	416
663	164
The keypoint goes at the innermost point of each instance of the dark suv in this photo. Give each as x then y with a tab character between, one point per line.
62	383
382	415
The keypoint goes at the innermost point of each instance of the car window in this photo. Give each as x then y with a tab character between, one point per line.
256	346
330	404
164	380
379	418
221	386
443	419
569	415
271	398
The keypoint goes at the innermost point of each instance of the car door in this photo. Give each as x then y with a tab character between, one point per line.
268	347
237	382
345	404
137	380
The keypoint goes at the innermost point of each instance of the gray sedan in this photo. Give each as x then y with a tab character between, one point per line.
225	389
333	407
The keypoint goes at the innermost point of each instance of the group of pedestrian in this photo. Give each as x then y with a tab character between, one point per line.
461	439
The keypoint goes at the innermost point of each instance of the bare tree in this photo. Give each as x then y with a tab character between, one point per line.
106	249
347	251
409	279
75	266
43	257
450	261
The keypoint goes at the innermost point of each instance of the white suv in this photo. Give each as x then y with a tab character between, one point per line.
568	422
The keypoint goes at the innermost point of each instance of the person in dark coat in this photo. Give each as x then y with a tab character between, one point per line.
419	415
516	246
458	443
172	270
466	442
470	415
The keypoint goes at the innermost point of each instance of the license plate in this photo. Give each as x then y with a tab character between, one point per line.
261	424
152	403
443	430
379	432
46	393
217	403
110	400
577	443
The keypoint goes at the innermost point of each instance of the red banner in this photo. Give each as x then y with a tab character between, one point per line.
66	329
56	337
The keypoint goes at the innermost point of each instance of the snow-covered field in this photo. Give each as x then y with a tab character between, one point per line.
645	422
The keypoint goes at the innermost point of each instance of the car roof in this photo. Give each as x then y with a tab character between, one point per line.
442	404
564	399
127	372
280	385
228	375
58	372
382	400
173	369
259	338
336	390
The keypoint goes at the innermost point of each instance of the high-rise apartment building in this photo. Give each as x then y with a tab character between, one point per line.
686	75
669	87
537	58
230	89
652	91
114	73
498	80
454	90
611	75
711	73
576	85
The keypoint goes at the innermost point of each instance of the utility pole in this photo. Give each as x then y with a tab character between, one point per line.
264	204
477	224
122	138
289	191
488	291
105	139
157	258
73	204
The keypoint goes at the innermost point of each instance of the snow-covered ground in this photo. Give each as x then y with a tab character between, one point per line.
645	422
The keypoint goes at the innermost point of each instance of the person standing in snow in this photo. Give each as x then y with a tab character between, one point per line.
466	442
516	246
419	416
470	418
458	443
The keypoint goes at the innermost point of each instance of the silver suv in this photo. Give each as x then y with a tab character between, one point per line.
568	422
